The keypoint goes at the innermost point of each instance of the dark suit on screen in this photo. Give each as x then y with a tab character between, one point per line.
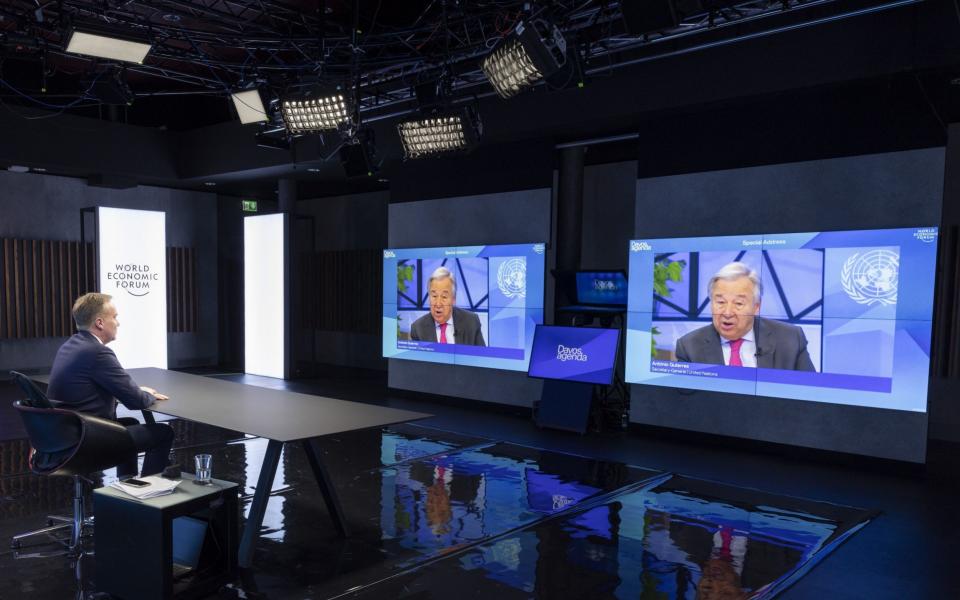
87	377
466	327
779	346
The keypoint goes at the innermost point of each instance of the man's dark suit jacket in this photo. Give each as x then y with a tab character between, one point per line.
779	346
86	377
466	327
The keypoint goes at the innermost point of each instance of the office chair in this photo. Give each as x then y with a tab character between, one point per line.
71	444
36	397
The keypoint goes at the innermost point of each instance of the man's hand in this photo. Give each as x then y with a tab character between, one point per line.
154	393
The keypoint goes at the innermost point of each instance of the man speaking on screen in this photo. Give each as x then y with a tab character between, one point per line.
738	337
445	323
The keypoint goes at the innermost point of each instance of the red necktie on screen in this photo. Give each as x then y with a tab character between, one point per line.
443	333
735	353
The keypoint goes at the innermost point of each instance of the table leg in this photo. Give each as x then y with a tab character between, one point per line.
259	506
314	453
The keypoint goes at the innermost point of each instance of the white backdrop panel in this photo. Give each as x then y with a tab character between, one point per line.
263	295
132	258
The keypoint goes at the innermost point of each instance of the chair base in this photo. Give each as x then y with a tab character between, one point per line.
77	525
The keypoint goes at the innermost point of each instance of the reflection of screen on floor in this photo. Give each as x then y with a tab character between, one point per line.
136	482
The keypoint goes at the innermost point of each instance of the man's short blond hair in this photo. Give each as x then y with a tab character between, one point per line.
88	307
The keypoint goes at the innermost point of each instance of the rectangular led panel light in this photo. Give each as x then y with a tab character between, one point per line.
534	51
249	106
93	44
443	133
320	113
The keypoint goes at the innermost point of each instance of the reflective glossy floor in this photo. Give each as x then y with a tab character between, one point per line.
450	508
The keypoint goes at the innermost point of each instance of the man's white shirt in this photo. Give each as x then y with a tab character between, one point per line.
436	327
748	350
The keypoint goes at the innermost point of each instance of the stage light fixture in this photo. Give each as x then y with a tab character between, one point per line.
110	88
317	112
359	155
272	140
533	51
442	132
109	46
249	106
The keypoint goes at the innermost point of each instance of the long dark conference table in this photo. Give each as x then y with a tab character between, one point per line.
279	416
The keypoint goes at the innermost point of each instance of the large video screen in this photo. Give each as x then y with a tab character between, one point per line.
843	316
467	305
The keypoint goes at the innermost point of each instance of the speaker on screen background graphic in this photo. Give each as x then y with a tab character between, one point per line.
695	307
421	301
417	301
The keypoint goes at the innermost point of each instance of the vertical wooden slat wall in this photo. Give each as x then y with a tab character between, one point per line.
40	279
182	301
341	291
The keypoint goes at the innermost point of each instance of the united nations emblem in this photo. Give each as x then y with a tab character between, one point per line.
871	278
512	278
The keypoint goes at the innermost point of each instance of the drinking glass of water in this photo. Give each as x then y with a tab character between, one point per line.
202	474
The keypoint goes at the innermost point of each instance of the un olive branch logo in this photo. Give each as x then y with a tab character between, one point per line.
871	278
512	278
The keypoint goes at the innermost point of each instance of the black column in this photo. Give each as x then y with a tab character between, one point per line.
945	347
230	283
569	220
287	196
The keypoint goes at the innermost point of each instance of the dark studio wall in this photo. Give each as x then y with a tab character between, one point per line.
608	212
348	236
46	207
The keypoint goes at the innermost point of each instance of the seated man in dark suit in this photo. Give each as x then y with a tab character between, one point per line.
446	324
738	337
87	377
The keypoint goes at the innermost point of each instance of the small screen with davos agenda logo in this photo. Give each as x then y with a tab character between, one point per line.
465	305
843	317
585	354
602	288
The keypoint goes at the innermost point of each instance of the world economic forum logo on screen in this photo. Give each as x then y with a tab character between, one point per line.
871	277
639	246
926	234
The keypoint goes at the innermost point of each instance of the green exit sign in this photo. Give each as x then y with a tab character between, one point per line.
249	205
